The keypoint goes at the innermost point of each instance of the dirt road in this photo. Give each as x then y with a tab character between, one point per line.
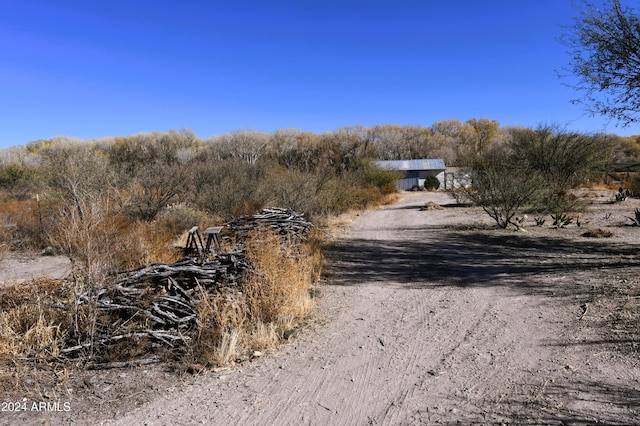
18	268
424	323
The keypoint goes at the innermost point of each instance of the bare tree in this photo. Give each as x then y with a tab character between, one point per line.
242	144
85	207
605	44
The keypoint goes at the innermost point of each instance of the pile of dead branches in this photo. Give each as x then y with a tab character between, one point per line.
284	222
158	302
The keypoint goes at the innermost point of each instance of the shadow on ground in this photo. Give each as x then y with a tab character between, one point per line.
541	406
434	257
449	257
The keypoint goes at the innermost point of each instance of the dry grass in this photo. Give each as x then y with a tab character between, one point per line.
274	299
598	233
21	226
227	348
5	241
33	321
40	319
143	243
335	224
278	285
391	198
34	328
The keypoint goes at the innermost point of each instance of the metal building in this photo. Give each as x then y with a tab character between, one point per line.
416	171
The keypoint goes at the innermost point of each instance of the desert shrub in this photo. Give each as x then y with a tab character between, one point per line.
556	202
229	188
381	178
361	197
294	189
94	231
564	159
156	186
179	217
501	185
431	183
23	224
17	180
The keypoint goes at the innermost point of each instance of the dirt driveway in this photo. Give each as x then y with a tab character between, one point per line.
431	317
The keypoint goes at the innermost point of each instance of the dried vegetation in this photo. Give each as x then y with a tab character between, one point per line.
206	311
118	207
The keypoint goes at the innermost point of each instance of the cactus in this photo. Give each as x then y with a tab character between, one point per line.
622	194
636	220
560	220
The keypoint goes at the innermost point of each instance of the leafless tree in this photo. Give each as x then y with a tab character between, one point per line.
605	45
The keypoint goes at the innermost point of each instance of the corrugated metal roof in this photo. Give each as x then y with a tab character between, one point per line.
421	164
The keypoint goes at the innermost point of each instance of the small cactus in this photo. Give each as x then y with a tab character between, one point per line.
560	220
636	220
622	194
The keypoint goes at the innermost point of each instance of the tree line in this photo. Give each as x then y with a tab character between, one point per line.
87	196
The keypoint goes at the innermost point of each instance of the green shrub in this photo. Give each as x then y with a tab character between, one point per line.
17	180
431	183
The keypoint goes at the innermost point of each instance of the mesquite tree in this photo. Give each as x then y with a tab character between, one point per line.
502	184
605	47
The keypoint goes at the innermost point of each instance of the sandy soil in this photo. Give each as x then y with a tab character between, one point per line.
426	317
17	268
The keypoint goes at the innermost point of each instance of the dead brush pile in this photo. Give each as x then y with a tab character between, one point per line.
206	310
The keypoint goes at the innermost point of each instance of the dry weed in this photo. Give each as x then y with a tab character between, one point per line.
392	198
21	225
33	323
223	312
274	298
264	337
144	243
34	328
221	320
226	350
335	225
278	286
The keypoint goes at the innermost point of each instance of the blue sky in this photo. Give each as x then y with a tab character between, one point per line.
91	69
